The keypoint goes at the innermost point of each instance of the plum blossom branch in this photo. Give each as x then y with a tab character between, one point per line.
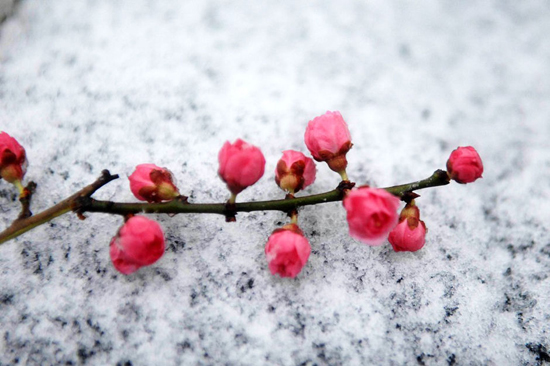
81	202
24	224
371	212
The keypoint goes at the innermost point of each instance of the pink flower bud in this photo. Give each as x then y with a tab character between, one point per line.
287	251
153	184
241	165
294	171
464	165
410	234
13	160
371	214
328	139
139	242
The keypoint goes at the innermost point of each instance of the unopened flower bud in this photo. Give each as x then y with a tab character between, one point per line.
241	165
13	160
287	251
371	214
294	171
139	242
153	184
328	139
410	234
464	165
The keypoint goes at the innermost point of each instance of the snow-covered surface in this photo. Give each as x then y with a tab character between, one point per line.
89	85
6	9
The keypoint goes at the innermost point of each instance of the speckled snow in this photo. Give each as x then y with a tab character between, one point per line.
92	85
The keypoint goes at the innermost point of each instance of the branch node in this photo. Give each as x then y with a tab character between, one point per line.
25	199
107	176
345	185
407	197
128	216
230	211
293	211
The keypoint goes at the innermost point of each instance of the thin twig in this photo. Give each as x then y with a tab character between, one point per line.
21	226
82	202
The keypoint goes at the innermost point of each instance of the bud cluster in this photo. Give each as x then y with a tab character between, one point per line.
372	213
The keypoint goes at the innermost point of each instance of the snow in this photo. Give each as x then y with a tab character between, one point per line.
94	85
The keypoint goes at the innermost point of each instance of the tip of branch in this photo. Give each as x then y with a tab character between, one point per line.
442	176
107	176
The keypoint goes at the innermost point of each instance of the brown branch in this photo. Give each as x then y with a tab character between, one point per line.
22	225
81	202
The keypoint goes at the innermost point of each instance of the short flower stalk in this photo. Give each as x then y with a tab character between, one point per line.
372	213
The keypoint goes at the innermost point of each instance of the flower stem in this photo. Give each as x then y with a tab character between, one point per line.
343	174
17	183
294	217
81	202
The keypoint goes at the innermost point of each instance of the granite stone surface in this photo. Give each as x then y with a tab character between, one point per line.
92	85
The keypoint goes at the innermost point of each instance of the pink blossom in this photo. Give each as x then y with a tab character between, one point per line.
410	234
139	242
464	165
153	184
241	165
328	139
287	251
294	171
13	160
371	214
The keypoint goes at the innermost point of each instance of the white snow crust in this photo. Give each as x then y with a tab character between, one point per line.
93	85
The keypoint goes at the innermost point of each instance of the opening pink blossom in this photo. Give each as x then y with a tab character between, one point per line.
328	139
410	234
371	214
465	165
152	183
294	171
241	165
139	242
287	251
